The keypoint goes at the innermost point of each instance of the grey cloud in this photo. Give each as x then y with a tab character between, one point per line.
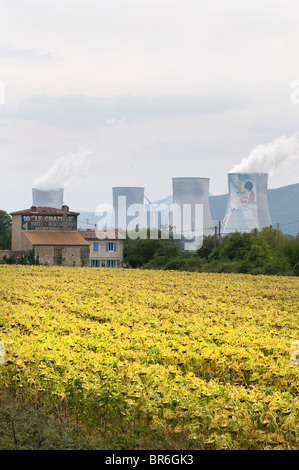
79	111
9	51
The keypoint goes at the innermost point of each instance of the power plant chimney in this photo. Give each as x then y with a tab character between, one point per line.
191	191
47	197
123	198
247	206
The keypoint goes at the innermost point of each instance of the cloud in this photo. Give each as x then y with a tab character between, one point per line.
65	171
9	51
268	158
80	111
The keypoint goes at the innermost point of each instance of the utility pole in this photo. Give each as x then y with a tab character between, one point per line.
219	232
215	237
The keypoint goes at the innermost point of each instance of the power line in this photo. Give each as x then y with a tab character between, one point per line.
289	223
228	229
84	222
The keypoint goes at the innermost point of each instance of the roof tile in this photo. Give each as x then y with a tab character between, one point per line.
43	210
102	235
40	237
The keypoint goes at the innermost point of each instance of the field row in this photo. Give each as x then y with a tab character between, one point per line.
156	358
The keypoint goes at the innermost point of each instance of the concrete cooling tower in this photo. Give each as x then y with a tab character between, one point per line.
47	198
124	199
247	206
191	191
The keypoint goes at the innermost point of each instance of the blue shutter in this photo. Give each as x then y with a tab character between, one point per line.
107	246
115	246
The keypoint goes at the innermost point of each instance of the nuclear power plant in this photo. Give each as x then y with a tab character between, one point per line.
193	194
125	199
186	215
47	198
247	206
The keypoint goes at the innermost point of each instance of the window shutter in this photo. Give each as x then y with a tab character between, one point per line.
115	246
107	246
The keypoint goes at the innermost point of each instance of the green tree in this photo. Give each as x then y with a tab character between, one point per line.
5	230
292	251
208	245
241	252
234	247
140	252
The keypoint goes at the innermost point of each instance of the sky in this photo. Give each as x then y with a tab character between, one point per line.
98	93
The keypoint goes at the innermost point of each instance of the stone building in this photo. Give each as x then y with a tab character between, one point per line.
106	247
51	234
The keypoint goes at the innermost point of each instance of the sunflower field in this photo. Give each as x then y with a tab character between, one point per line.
156	359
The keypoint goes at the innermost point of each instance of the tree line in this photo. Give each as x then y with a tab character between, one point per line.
268	251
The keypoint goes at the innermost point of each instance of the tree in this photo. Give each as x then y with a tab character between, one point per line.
5	230
208	245
234	247
292	251
159	251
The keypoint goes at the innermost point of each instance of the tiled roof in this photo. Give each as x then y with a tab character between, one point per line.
102	235
41	210
39	237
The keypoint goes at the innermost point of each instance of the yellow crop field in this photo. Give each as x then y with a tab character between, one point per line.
156	359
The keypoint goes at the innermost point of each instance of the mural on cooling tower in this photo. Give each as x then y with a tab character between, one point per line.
242	209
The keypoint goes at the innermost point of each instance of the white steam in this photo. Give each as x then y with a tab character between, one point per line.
267	158
65	172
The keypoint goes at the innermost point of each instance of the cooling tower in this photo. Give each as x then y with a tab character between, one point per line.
124	199
247	206
189	192
47	198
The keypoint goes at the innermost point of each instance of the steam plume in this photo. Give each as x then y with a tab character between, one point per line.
267	158
65	171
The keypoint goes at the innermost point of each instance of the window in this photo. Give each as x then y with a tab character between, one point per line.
110	246
112	263
95	263
95	246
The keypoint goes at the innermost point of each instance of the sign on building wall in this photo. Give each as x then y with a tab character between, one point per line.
48	222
